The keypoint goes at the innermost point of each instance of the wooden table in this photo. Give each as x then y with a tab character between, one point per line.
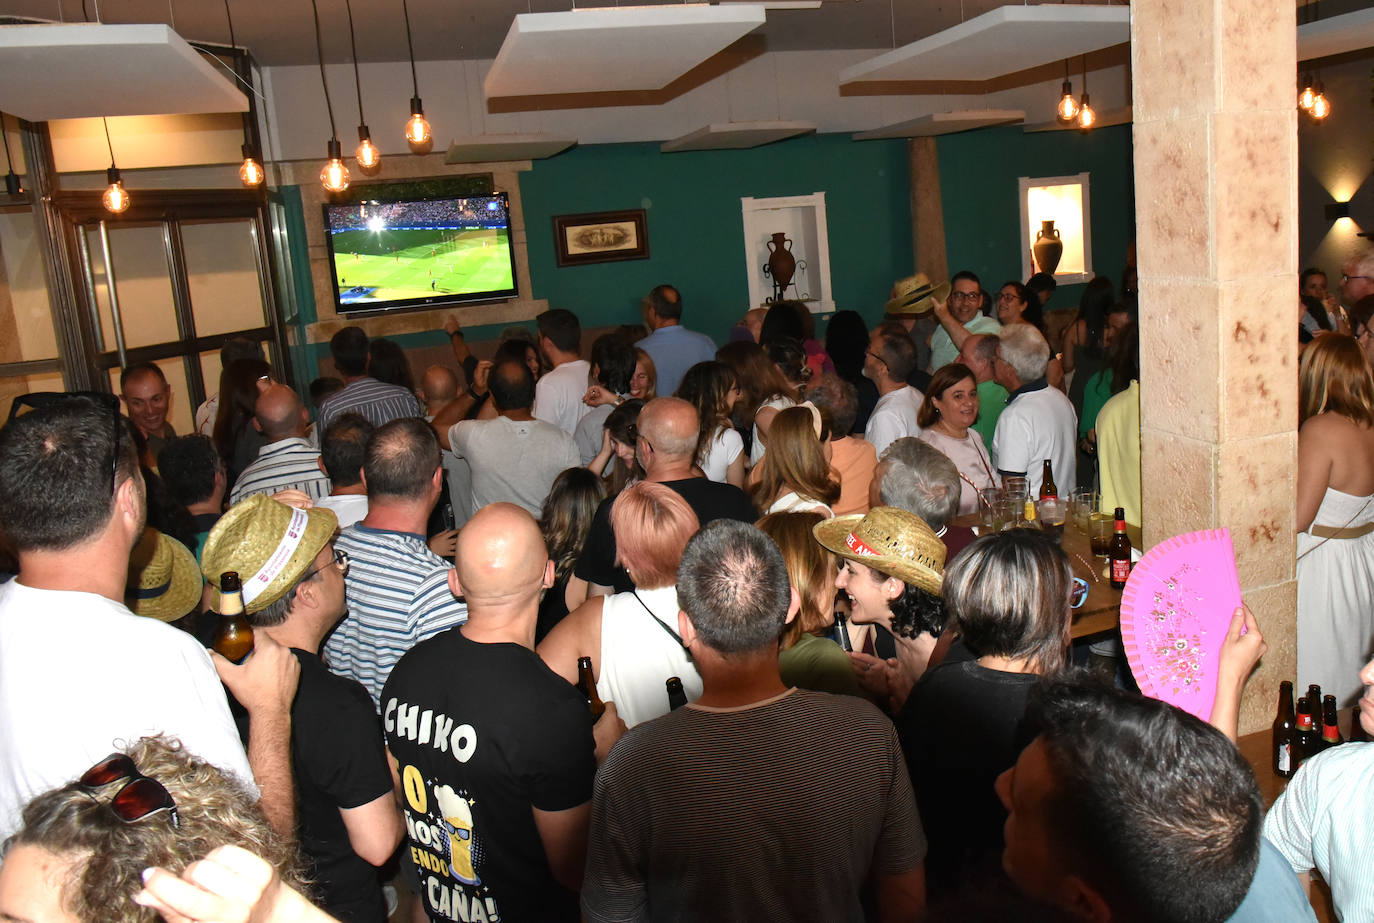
1101	611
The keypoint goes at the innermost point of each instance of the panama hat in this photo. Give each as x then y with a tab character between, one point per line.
889	540
269	544
916	294
164	578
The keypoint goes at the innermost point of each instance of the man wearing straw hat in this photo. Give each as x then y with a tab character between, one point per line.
683	797
78	670
293	592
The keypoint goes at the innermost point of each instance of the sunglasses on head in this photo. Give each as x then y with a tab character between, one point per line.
138	798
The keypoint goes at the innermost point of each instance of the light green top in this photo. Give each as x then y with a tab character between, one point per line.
992	397
818	664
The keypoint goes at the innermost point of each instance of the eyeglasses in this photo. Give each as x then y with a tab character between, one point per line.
141	797
879	358
340	561
1345	278
966	296
1008	296
1079	594
38	400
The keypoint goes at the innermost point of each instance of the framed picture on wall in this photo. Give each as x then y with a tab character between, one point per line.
600	237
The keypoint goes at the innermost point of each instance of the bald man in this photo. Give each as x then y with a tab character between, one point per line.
667	451
493	753
439	386
288	461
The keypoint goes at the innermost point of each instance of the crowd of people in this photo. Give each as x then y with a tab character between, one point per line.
653	630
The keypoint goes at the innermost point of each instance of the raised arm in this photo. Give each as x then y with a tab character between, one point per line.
1239	654
457	409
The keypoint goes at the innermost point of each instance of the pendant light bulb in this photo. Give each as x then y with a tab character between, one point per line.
116	197
334	176
418	133
1321	106
251	173
1087	116
1068	106
1307	97
369	159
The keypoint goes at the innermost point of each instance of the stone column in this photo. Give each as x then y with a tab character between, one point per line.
1215	131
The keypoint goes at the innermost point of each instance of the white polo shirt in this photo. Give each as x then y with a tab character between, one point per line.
893	417
1038	423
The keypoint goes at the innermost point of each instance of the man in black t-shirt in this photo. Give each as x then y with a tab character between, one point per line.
666	449
293	591
494	753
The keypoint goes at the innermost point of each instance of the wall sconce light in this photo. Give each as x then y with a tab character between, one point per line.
1335	211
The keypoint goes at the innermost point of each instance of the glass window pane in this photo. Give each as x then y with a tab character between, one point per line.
222	273
142	281
181	408
26	328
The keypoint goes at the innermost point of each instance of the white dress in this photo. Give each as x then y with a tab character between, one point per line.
970	456
1336	598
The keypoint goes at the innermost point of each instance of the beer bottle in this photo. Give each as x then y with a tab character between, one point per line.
842	631
1048	490
1314	704
677	696
587	686
1308	739
1119	551
1285	728
1357	732
233	639
1331	732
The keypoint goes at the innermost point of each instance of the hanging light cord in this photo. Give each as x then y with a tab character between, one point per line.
319	55
230	16
414	80
9	164
352	42
106	122
1085	73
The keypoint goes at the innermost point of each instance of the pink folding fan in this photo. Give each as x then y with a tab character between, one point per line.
1175	612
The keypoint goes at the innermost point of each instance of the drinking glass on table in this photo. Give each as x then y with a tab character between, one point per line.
1052	512
1100	532
1017	487
1083	503
988	498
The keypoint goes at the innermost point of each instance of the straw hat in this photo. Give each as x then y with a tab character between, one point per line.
916	294
889	540
164	578
270	545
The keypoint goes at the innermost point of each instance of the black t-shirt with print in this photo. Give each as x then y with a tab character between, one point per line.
482	733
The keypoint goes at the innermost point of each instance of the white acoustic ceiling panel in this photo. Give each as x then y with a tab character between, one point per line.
943	123
1120	116
83	70
612	49
999	42
1336	35
499	148
734	136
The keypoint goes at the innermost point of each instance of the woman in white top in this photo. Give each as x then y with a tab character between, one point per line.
714	390
632	637
769	386
795	475
950	408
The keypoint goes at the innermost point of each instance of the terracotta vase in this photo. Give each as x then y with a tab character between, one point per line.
781	263
1048	247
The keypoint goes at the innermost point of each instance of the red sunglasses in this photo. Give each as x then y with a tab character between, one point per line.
140	797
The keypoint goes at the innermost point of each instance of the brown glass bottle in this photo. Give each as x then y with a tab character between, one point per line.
1119	551
842	631
677	696
1285	731
1308	738
1314	704
233	638
586	684
1331	732
1048	489
1357	732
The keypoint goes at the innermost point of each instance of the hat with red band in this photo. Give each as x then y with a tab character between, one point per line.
891	541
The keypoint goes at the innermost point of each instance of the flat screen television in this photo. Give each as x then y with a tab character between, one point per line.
403	254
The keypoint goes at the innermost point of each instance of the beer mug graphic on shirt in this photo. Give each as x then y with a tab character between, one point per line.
456	817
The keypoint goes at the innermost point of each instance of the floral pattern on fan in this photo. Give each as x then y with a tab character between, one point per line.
1175	611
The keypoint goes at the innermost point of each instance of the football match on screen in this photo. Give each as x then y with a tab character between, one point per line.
398	251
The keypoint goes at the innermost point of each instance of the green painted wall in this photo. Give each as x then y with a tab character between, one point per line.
696	235
978	190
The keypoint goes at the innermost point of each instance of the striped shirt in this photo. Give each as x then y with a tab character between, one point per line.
685	796
287	464
398	595
379	403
